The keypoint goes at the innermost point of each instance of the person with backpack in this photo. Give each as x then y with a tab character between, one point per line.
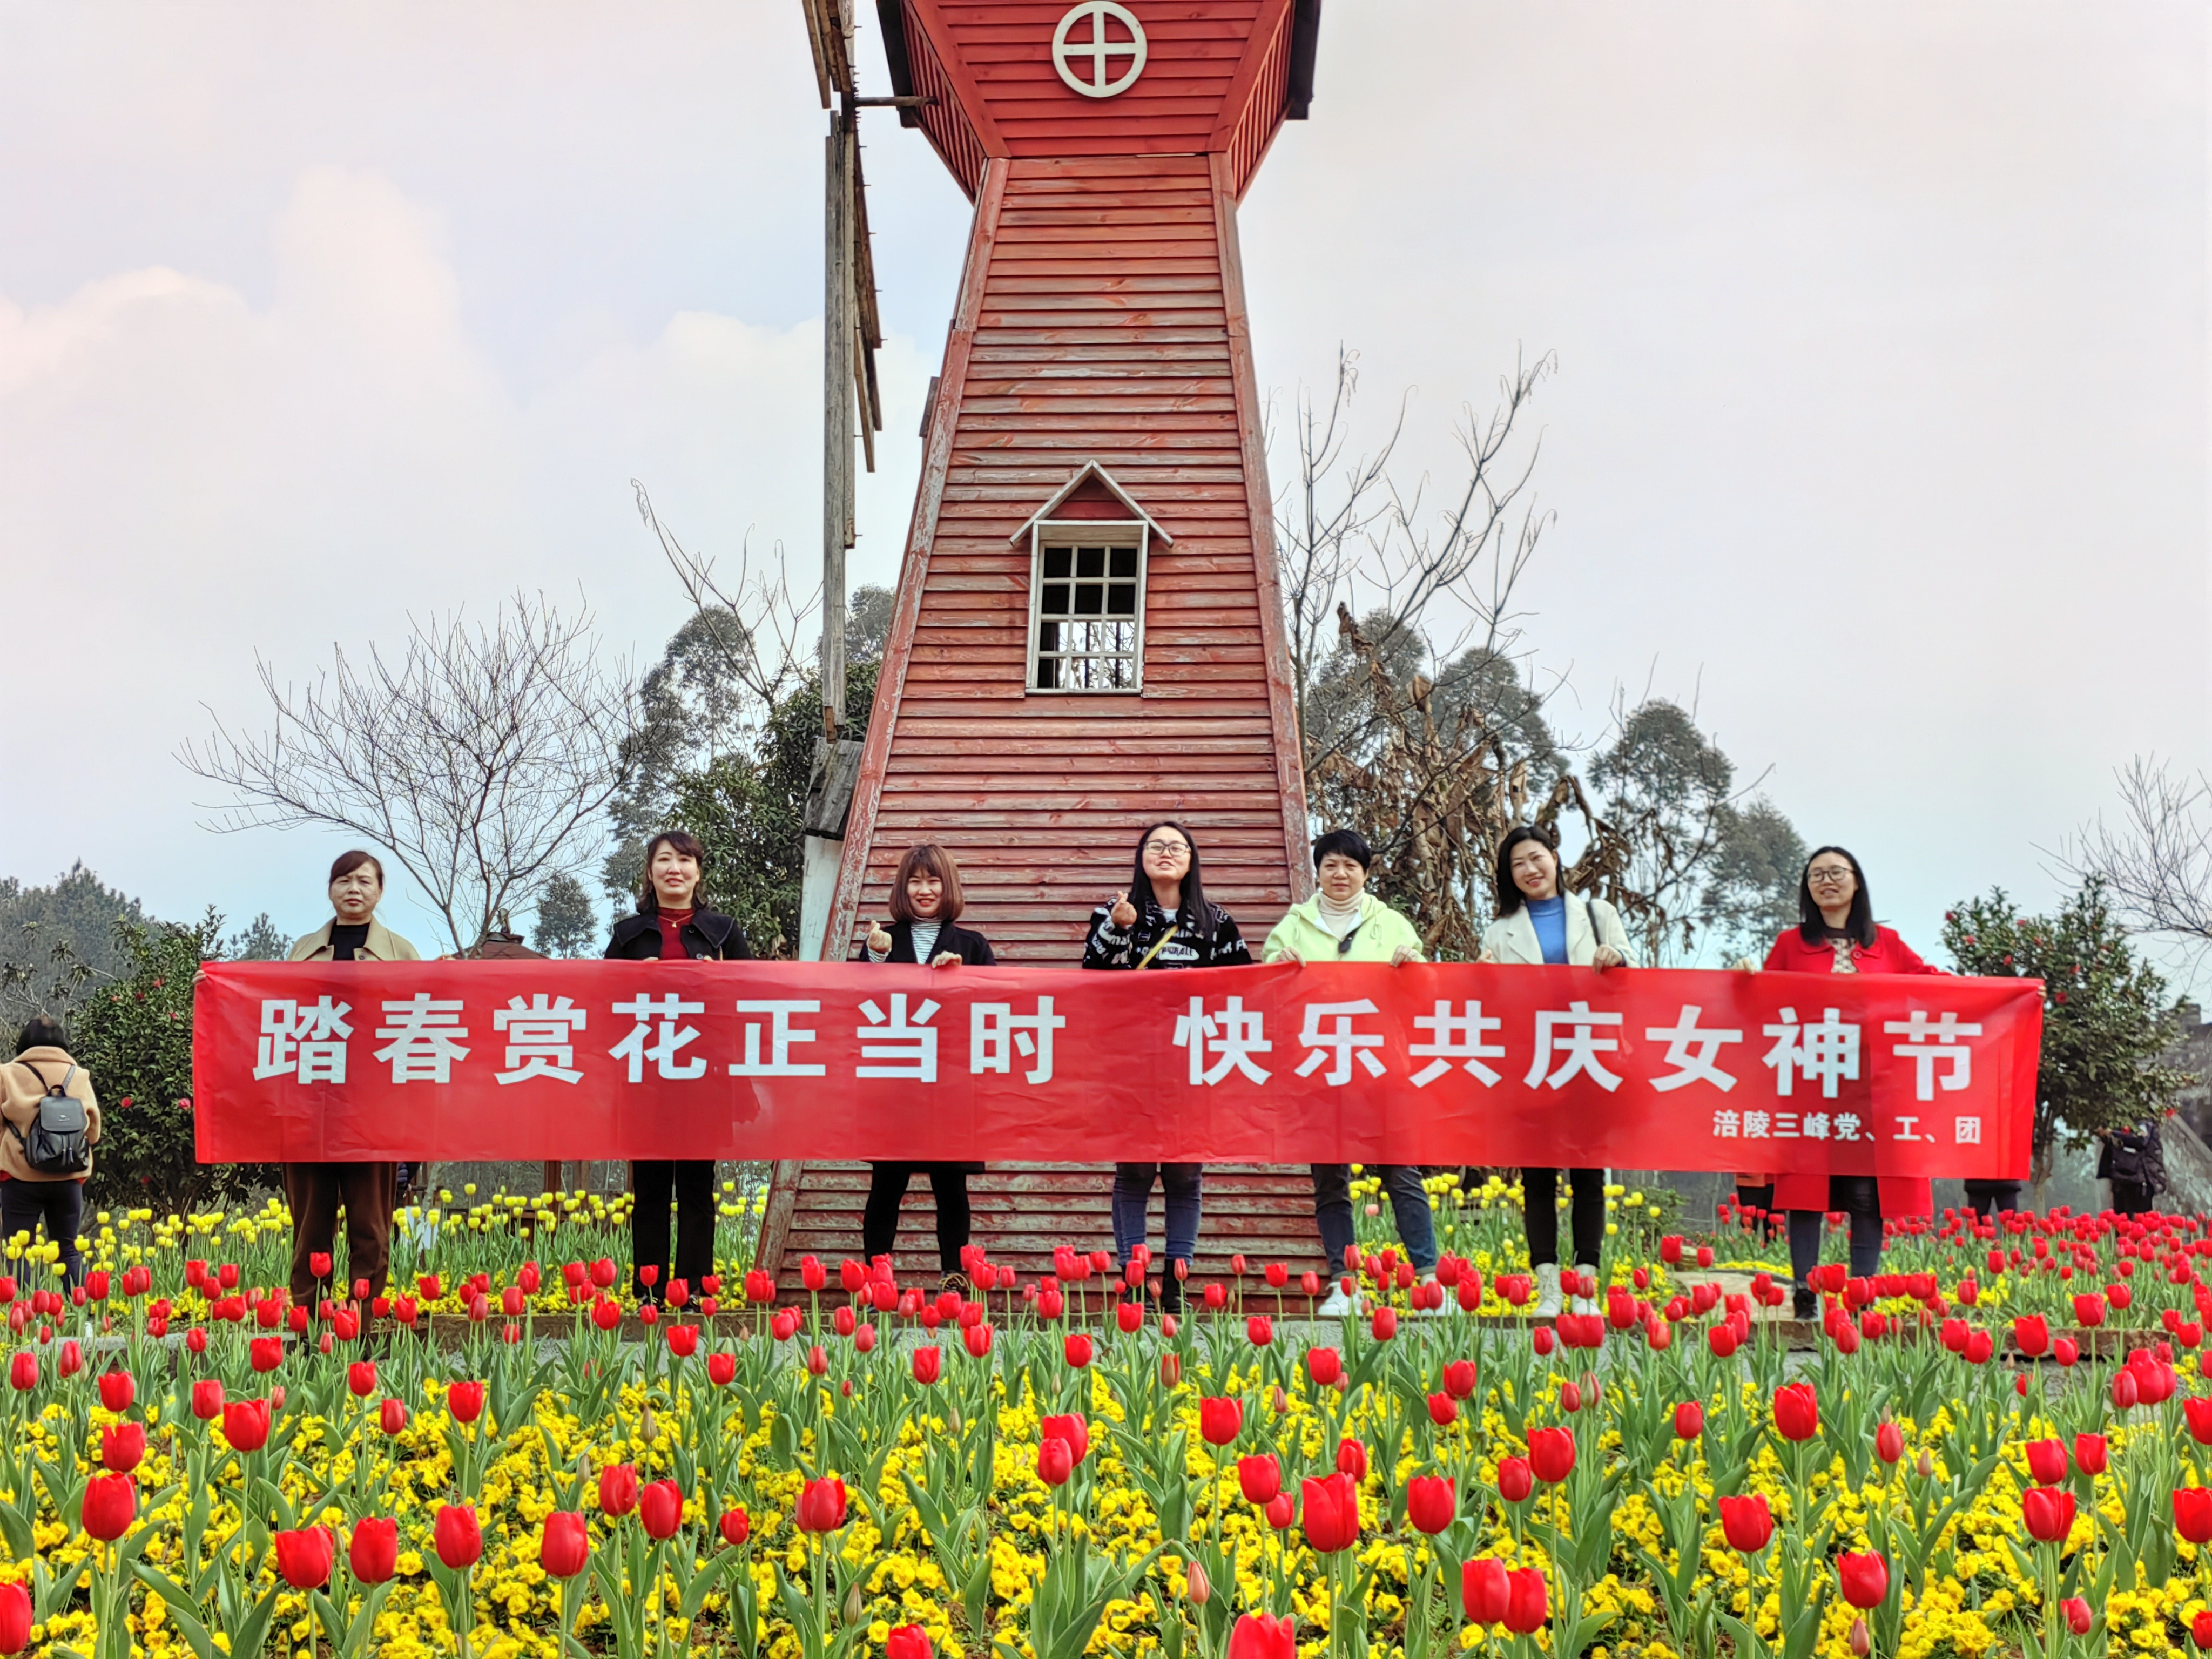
52	1123
1344	922
368	1193
1162	919
926	903
2133	1159
674	923
1537	924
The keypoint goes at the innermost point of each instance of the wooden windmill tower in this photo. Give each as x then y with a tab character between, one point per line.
1088	634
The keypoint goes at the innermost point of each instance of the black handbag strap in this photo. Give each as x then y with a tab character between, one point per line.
46	1090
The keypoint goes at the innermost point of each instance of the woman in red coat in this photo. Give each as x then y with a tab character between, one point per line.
1838	935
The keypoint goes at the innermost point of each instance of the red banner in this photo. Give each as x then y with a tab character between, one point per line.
1671	1069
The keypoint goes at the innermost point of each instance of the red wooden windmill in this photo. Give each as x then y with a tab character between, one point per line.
1088	634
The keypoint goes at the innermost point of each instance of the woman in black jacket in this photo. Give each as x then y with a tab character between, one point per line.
1163	920
672	921
925	901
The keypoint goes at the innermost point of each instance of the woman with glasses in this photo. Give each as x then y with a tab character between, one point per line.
1537	924
1344	922
1163	921
1837	934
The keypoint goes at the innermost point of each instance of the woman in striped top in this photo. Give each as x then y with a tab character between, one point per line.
926	900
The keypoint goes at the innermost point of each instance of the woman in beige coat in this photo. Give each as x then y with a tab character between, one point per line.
368	1192
29	1197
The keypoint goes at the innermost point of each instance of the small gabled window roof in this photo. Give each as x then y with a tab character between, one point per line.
1092	470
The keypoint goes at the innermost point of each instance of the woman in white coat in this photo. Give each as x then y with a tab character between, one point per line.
1537	925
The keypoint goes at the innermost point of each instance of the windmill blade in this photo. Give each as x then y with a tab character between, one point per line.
868	325
830	32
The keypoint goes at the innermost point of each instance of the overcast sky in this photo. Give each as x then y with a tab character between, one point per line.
1879	427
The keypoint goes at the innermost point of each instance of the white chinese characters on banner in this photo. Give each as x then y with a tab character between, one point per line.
899	1047
541	1038
664	1048
1234	1036
1691	1051
1456	1037
424	1038
996	1034
305	1041
1930	1046
780	1037
1328	1034
1581	1045
1827	1053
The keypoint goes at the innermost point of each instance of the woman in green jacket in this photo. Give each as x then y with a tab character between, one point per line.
1344	922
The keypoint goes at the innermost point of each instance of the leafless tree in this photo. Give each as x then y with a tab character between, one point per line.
2156	866
482	760
760	641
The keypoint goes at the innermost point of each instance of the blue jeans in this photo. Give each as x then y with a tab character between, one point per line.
1133	1192
1409	1206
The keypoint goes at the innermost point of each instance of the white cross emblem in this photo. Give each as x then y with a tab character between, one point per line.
1099	49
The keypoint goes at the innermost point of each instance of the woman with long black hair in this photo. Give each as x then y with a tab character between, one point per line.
1537	924
672	922
1837	934
1163	919
926	903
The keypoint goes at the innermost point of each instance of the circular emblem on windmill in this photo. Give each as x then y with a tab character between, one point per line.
1088	59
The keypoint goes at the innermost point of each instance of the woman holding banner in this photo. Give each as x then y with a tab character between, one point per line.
1539	925
925	901
1837	934
368	1193
1344	922
672	923
1163	921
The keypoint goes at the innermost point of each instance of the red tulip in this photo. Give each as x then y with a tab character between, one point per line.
1459	1379
820	1505
1259	1636
2065	1350
721	1369
2031	1334
1075	1348
1281	1510
304	1557
2046	1462
1443	1410
2200	1629
117	1390
618	1489
684	1339
735	1526
2088	1307
1552	1454
207	1399
111	1504
1483	1590
1324	1366
458	1539
1332	1512
660	1508
15	1619
2049	1513
1259	1478
977	1340
1747	1522
2091	1454
392	1417
2125	1390
1055	1462
928	1365
375	1554
1515	1480
1431	1503
565	1548
23	1372
1220	1420
122	1447
1689	1420
1529	1600
246	1425
907	1641
1889	1442
1865	1577
1071	1428
2078	1616
1796	1412
267	1353
2193	1513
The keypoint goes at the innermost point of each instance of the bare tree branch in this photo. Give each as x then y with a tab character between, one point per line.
763	651
2156	868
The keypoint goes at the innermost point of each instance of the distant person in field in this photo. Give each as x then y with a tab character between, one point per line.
1537	924
53	1196
368	1193
926	902
1163	920
673	922
1344	922
1837	934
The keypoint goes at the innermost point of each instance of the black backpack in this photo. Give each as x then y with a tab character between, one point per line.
58	1142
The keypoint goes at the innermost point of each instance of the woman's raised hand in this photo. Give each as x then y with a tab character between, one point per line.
1607	956
1124	914
1404	954
945	959
878	940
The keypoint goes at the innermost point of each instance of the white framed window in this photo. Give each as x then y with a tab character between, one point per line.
1087	604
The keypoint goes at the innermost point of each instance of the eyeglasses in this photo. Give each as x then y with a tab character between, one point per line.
1166	846
1829	874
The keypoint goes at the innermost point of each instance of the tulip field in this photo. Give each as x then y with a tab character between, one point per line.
1999	1444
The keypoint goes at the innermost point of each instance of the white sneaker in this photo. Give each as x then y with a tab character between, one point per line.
1587	1304
1338	1305
1547	1290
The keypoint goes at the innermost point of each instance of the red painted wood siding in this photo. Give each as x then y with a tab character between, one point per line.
1100	332
1191	85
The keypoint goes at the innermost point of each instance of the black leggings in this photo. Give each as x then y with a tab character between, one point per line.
1540	1196
948	1182
690	1182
